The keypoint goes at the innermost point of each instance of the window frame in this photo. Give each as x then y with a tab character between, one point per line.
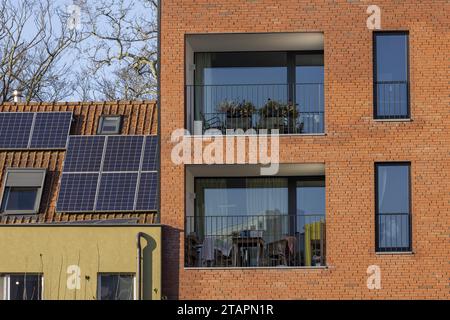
37	201
375	76
7	284
99	282
393	249
101	120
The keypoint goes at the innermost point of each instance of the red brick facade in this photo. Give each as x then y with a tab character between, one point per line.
352	143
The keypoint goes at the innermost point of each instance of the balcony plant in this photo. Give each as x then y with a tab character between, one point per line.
276	115
239	115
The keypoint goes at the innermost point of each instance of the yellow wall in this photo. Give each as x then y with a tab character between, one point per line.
95	249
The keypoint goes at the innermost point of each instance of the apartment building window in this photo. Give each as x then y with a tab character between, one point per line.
393	213
109	125
21	287
257	222
22	191
281	90
391	75
116	287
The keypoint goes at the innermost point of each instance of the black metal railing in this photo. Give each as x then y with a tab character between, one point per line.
289	108
255	241
393	232
392	99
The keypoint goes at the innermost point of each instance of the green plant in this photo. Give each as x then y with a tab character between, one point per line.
276	109
237	110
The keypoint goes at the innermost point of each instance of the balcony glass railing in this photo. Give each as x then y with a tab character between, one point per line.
289	108
255	241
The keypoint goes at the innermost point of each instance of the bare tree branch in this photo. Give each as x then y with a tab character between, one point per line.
34	37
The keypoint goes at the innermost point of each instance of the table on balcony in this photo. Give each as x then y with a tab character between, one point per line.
247	242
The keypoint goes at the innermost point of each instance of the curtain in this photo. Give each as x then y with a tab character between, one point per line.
209	212
267	200
202	61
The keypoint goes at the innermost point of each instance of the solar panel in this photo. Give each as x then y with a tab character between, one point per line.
84	154
123	153
50	130
117	192
150	154
77	192
15	128
147	194
117	162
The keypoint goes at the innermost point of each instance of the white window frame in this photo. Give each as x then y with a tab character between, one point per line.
99	281
7	284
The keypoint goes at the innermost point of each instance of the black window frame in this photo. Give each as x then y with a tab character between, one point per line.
377	214
6	186
375	77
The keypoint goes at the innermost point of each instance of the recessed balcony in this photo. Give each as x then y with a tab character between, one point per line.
280	88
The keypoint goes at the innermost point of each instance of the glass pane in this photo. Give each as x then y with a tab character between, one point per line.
393	231
25	287
310	230
393	207
392	57
223	79
117	287
235	205
309	91
2	287
392	75
393	189
20	198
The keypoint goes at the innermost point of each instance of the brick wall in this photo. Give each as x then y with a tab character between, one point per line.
140	117
352	143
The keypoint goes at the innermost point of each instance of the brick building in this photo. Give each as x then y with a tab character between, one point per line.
363	187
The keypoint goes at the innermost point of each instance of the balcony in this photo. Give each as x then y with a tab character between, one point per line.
255	81
289	108
255	241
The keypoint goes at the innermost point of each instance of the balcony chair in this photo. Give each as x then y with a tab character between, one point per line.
213	122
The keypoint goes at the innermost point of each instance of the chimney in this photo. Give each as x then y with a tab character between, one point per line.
17	96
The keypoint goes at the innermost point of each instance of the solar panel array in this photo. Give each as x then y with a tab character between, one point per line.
34	130
109	173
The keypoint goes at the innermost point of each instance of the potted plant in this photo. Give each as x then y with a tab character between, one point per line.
276	115
239	115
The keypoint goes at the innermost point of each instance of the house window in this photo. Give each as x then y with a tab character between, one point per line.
109	125
22	191
21	287
391	75
116	287
393	214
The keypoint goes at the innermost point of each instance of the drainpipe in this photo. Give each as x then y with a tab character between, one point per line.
139	265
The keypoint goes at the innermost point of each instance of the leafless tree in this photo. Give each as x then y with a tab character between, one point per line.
111	54
34	36
122	50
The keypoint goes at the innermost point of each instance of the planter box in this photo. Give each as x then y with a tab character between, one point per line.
243	123
272	123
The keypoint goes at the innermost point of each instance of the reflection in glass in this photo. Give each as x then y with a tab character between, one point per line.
393	207
116	287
